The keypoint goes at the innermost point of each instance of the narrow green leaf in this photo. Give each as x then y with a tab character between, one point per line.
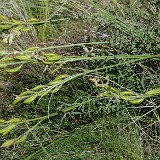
57	79
54	58
30	49
26	93
43	93
153	92
18	28
52	82
105	94
30	99
38	87
128	95
23	57
128	98
48	62
112	89
61	77
157	59
56	89
7	59
33	62
48	54
18	99
21	139
14	120
17	22
3	27
14	69
8	143
26	29
51	56
6	130
137	101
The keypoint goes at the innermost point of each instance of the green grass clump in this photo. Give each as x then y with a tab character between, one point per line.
98	140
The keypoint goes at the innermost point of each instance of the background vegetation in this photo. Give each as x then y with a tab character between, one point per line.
79	79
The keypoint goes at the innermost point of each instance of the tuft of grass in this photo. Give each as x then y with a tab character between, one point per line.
101	139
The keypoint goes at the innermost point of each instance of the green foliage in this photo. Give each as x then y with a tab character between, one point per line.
30	55
132	97
114	70
93	141
13	27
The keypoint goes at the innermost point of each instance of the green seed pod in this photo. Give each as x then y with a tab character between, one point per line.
26	93
61	77
49	62
153	92
30	99
51	56
137	101
3	27
21	139
14	69
14	120
104	94
38	87
18	99
8	143
6	130
23	57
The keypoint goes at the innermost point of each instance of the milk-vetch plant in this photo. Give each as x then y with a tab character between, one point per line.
124	52
34	55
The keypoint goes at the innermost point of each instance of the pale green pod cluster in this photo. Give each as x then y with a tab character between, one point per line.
18	140
130	96
41	90
30	55
7	127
